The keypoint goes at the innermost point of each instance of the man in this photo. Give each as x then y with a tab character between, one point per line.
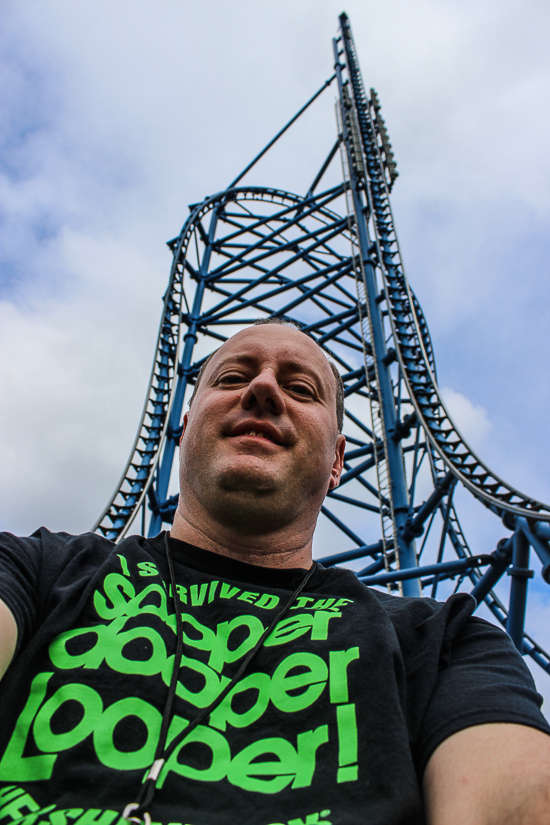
278	691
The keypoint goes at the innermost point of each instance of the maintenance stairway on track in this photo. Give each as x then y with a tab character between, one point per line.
330	262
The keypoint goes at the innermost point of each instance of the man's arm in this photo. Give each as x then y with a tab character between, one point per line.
495	774
8	637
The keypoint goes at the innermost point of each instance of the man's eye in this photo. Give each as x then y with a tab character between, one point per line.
231	378
302	389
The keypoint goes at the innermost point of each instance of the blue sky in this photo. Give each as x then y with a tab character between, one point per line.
116	115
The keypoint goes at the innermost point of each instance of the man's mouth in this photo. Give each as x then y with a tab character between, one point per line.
255	434
266	433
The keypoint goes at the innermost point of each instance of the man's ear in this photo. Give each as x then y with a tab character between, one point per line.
338	464
184	427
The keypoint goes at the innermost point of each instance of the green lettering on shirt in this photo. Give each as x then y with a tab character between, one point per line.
228	592
147	568
92	707
339	661
313	679
15	767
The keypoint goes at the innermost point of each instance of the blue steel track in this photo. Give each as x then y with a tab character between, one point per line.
330	261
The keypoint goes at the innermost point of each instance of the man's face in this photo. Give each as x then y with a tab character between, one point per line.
260	446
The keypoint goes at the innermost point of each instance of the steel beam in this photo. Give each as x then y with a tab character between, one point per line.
520	575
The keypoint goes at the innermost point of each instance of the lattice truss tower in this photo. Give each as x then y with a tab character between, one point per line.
330	261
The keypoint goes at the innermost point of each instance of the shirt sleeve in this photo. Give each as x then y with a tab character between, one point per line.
485	680
20	562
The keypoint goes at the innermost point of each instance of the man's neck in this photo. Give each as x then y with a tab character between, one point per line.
278	549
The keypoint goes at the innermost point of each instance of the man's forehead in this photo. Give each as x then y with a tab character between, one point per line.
275	341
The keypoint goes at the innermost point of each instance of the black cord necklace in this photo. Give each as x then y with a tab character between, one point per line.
137	812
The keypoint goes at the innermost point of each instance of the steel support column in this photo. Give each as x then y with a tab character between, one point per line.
520	575
190	338
393	451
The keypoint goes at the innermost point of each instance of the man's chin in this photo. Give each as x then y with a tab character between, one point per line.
250	500
249	482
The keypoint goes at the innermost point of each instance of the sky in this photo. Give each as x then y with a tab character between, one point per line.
117	115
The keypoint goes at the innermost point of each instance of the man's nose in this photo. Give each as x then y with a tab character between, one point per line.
264	391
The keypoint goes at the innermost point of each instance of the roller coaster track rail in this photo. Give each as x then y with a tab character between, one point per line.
411	352
330	262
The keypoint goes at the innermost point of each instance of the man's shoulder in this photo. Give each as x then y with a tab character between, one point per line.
407	615
400	607
46	546
424	621
423	606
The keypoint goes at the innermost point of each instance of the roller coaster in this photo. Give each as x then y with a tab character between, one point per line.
330	262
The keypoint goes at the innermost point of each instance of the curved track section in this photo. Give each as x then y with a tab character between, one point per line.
407	325
132	486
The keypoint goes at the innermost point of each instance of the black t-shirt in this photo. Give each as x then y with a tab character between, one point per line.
332	724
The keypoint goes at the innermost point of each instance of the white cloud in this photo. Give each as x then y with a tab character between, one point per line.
471	419
75	371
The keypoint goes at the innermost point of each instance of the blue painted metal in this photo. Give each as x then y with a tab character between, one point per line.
190	339
393	456
520	575
444	570
536	536
279	134
330	261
